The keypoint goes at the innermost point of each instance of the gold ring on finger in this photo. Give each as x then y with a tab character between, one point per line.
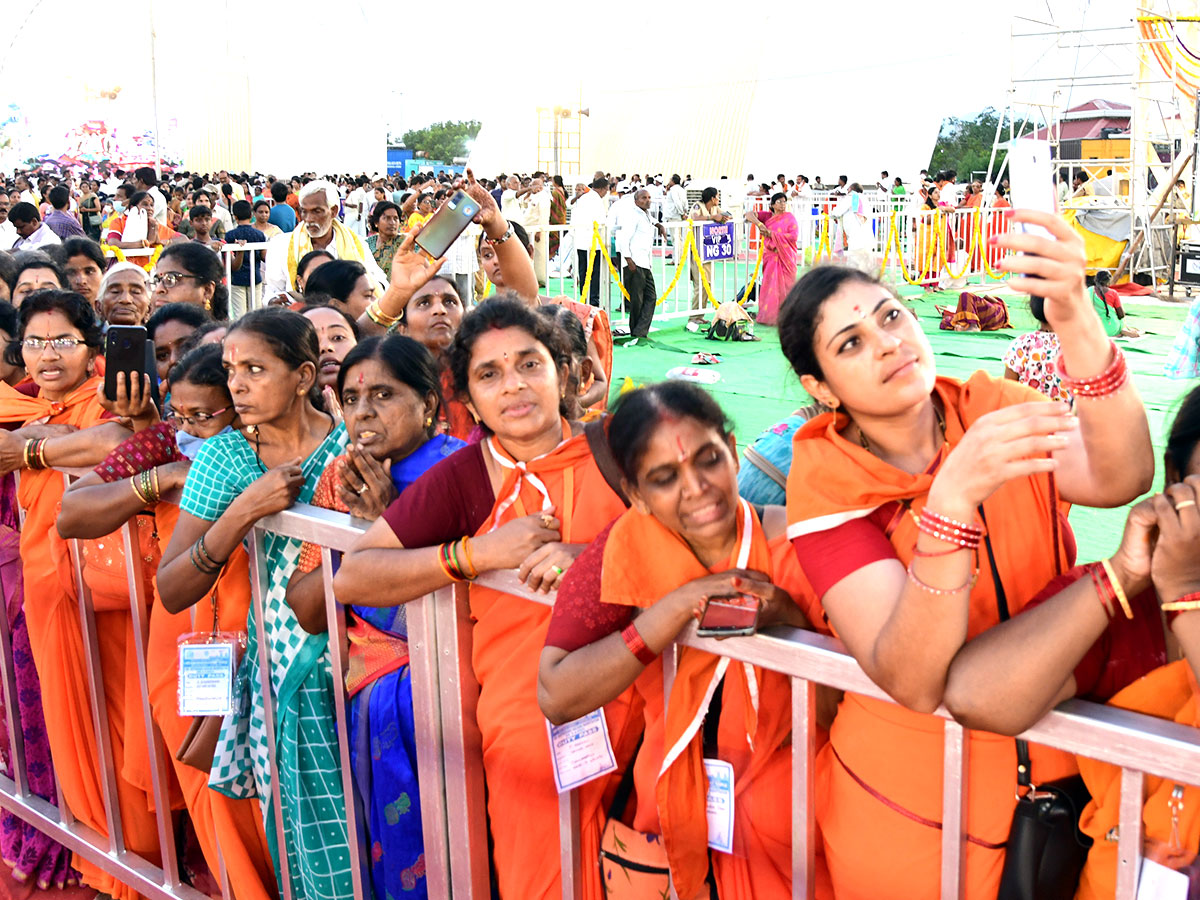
547	521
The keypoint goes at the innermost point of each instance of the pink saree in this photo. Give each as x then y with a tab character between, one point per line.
778	265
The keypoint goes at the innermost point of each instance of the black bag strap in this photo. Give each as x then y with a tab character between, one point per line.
620	800
1024	775
597	439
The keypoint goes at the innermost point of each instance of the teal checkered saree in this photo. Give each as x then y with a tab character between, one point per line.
314	809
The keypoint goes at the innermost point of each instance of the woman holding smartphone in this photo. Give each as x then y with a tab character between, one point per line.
935	516
686	540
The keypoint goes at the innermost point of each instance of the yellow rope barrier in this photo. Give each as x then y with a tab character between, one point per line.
587	279
944	258
120	256
700	268
682	254
753	278
893	239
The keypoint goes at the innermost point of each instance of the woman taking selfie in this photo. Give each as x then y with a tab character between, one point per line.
920	477
270	358
528	497
687	538
389	391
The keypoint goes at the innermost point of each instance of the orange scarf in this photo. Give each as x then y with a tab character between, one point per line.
508	638
1170	692
1021	515
644	561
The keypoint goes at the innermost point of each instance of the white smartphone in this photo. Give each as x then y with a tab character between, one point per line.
1031	175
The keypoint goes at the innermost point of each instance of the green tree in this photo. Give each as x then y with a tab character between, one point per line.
965	145
442	140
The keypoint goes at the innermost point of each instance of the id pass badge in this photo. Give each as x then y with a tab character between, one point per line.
719	804
580	750
207	664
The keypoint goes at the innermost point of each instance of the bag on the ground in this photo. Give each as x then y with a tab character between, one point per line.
742	298
731	323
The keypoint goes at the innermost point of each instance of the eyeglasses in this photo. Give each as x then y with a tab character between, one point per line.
198	419
62	344
170	279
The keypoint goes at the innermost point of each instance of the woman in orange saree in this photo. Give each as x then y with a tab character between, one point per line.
914	472
100	503
530	497
59	338
687	536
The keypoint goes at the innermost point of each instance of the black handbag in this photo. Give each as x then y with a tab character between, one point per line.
1046	850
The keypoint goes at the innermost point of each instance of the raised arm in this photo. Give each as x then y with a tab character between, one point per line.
900	631
1110	460
514	260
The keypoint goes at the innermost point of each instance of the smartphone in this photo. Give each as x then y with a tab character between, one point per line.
445	225
1031	174
128	353
729	614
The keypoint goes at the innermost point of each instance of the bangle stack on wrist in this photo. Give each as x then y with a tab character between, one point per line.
376	314
448	556
1109	590
33	456
1099	386
966	536
202	560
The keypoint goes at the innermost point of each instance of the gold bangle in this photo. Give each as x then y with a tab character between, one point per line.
133	481
1117	589
376	314
154	479
1181	606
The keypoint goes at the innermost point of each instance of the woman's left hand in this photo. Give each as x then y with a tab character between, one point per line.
1175	566
1051	267
544	568
365	484
135	404
332	403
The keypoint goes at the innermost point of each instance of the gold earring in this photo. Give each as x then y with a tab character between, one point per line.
429	421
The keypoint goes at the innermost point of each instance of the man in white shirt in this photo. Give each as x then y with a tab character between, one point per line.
635	242
320	230
238	193
510	200
32	233
587	211
8	233
537	222
356	203
144	179
462	261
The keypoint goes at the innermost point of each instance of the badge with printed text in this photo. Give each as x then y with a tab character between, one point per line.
719	804
580	750
206	670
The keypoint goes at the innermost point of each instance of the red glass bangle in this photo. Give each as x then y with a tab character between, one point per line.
633	640
1107	598
968	541
934	554
942	592
1108	382
952	524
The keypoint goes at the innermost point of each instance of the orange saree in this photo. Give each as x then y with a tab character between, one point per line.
1170	692
644	561
508	637
874	847
232	827
58	649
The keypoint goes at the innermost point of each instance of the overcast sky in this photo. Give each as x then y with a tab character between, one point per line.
474	52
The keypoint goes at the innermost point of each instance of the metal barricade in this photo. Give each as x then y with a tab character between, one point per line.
449	748
257	268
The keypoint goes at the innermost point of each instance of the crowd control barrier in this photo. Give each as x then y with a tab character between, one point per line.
450	768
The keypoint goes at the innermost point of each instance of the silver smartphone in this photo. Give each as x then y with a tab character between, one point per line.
445	225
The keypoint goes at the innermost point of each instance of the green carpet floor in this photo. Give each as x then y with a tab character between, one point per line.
757	388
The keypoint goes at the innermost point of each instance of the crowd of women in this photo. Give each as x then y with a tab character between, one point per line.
924	526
